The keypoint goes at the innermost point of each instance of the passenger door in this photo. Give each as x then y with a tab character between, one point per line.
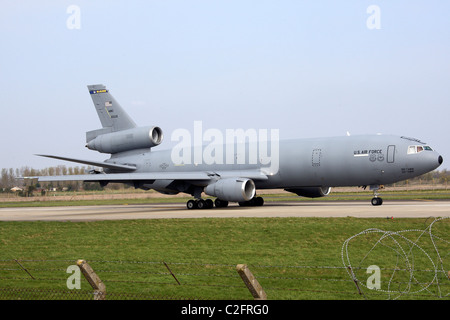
391	154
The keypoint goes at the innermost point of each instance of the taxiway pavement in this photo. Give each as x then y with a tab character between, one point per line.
359	209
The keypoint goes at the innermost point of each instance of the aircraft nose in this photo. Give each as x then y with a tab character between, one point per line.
440	160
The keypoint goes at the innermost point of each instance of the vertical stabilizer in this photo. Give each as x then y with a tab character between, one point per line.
111	114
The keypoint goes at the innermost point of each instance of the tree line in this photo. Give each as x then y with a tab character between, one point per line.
11	178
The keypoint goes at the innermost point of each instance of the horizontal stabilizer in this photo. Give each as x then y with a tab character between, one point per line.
113	166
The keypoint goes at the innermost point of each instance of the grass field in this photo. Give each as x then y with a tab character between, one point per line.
293	258
140	197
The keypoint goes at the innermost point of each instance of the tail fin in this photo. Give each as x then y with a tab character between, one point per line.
111	114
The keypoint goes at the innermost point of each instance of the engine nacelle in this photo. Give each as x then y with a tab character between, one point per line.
232	189
130	139
311	192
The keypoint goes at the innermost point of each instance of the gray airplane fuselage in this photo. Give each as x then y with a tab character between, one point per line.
319	162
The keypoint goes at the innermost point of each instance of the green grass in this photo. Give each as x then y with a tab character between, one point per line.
62	203
288	255
440	194
367	195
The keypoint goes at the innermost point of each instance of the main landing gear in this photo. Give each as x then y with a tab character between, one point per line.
200	204
209	204
206	204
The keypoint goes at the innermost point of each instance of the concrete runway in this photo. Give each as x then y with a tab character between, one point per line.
359	209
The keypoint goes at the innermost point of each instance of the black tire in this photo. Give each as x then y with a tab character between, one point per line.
377	201
191	204
201	204
259	201
221	203
209	204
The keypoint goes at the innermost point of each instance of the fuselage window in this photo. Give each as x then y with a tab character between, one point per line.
412	149
417	149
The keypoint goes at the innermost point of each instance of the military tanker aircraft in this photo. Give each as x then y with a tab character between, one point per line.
232	169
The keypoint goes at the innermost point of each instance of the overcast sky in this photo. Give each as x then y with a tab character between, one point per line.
307	68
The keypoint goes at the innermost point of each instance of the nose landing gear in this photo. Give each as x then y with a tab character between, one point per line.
376	200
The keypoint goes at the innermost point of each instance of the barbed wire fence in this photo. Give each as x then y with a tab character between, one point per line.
376	264
147	280
416	261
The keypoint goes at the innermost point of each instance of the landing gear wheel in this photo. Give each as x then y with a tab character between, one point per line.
259	201
377	201
209	204
201	204
191	204
221	203
255	202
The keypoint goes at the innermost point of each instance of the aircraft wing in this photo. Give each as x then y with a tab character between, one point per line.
148	176
121	167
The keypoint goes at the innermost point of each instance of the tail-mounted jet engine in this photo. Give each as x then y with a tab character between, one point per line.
125	140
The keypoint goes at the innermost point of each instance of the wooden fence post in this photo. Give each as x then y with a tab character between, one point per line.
250	281
93	279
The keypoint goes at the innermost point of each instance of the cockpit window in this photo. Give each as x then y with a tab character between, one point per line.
417	149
